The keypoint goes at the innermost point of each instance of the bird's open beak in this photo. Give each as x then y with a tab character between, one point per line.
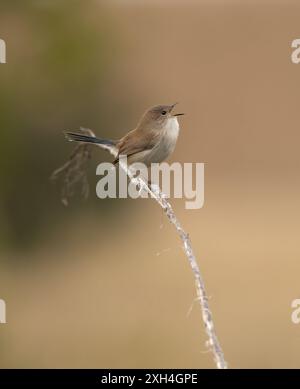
176	114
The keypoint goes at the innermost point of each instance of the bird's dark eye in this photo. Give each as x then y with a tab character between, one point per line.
164	112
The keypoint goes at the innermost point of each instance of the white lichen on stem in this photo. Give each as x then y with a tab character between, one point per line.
155	192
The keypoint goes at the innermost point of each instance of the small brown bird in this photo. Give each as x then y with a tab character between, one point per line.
153	140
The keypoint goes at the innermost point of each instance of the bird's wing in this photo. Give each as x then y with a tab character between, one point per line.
135	142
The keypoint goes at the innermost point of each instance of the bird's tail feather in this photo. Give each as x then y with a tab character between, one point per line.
72	136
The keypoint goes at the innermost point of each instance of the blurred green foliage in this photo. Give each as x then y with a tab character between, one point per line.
58	60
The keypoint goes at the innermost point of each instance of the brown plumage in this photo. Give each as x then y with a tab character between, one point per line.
153	140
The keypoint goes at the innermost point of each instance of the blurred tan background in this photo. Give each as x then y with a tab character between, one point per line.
104	283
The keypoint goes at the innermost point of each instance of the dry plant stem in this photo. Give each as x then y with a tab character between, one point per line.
155	192
73	171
